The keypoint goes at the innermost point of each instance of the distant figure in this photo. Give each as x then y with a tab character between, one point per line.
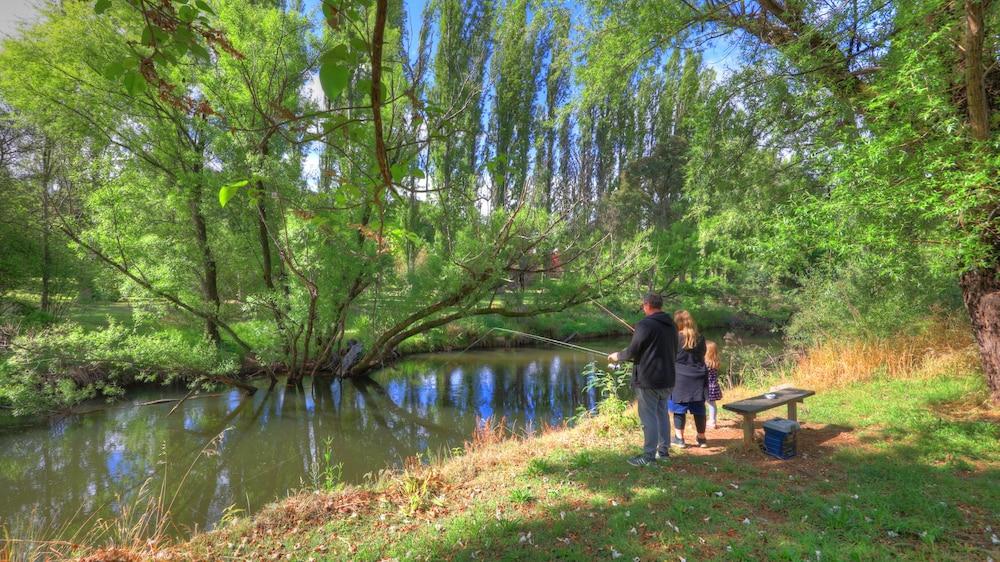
653	349
351	356
713	392
688	395
556	265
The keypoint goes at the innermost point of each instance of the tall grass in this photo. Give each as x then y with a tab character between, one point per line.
941	345
138	532
945	344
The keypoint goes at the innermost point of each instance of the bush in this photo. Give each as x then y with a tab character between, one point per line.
63	365
752	365
612	385
866	301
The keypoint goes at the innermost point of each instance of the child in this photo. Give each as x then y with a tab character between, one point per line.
713	391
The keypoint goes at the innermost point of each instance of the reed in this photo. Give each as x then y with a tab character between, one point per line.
139	531
837	363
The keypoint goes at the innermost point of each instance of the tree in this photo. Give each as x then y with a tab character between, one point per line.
907	118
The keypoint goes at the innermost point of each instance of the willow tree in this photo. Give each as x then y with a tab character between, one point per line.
908	119
195	194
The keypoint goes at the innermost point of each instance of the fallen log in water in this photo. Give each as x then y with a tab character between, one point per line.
169	400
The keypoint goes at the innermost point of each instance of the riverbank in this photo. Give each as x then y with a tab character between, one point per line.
103	350
902	466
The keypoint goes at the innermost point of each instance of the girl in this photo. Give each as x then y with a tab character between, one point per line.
713	392
688	395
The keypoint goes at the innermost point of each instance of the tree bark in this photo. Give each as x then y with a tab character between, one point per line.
210	275
46	303
981	285
975	83
981	293
267	267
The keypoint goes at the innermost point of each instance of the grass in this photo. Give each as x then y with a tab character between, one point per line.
890	468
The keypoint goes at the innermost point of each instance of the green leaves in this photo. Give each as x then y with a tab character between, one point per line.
229	190
204	7
134	83
398	171
187	13
335	70
115	70
101	6
333	78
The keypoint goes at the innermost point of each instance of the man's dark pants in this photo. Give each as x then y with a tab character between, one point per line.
653	416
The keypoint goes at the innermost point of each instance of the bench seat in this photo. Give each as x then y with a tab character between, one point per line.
750	407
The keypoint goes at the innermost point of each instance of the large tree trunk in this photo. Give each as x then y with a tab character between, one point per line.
209	274
981	286
266	266
981	292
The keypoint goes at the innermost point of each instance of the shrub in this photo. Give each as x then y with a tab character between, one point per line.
868	301
752	365
63	365
612	385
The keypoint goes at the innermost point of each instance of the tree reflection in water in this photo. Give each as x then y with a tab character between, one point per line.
82	464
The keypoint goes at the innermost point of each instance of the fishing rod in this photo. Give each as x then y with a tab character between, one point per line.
613	315
540	338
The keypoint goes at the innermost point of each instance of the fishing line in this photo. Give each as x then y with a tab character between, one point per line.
544	339
613	315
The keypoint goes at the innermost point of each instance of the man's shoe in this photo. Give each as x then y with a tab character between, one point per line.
702	442
678	442
641	460
663	455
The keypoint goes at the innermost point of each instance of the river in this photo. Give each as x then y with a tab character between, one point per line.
228	452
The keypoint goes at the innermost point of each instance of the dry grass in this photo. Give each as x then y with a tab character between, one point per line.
947	347
838	363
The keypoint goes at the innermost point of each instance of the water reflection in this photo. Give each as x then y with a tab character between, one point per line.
246	452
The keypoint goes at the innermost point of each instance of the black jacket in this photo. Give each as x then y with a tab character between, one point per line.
653	349
692	374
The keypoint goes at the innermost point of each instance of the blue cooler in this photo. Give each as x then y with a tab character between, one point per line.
779	438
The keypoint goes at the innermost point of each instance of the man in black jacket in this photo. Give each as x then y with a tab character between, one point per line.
653	349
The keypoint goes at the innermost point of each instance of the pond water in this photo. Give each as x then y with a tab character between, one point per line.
228	452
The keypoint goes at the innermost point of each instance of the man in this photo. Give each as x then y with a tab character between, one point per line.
653	349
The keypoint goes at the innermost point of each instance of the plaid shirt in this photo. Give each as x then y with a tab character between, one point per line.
714	391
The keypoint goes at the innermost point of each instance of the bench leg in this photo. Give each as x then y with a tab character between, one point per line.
793	411
748	430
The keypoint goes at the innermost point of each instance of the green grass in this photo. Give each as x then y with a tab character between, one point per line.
95	316
895	469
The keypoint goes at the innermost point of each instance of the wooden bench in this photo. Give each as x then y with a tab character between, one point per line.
750	407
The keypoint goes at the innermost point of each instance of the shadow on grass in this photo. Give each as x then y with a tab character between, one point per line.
895	501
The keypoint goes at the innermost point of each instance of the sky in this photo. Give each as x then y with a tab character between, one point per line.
718	55
13	12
